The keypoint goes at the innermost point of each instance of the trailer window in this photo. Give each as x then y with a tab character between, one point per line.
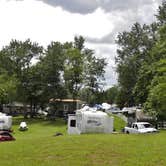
73	123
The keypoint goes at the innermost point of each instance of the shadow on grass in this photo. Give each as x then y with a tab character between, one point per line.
56	122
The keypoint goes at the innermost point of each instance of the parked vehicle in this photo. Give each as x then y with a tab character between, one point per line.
5	122
140	127
89	121
6	136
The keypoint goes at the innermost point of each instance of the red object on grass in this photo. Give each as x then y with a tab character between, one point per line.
6	136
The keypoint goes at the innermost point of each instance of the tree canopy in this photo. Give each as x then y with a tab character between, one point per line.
60	71
141	65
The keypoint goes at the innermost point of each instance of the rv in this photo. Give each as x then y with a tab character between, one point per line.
90	121
5	122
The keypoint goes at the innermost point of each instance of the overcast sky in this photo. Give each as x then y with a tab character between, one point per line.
98	21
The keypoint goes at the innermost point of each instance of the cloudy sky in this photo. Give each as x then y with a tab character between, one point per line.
98	21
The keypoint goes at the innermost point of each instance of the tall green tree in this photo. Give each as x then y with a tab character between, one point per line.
83	69
111	95
156	99
8	87
135	57
134	47
161	15
73	73
17	57
16	60
52	69
148	69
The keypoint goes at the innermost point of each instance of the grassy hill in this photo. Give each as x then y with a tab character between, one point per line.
38	147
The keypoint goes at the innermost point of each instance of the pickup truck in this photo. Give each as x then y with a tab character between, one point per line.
140	127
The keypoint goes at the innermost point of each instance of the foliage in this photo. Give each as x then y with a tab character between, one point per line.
156	101
111	94
142	85
16	61
87	95
82	69
121	99
149	69
134	50
8	87
17	57
57	72
50	70
73	72
161	16
139	52
152	79
93	76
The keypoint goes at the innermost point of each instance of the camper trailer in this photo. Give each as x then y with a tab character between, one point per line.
90	121
5	122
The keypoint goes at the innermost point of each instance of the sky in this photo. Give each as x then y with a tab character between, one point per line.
98	21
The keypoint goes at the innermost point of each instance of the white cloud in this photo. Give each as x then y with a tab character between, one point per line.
89	6
43	23
123	21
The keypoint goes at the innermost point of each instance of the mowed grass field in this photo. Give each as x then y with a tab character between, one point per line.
38	147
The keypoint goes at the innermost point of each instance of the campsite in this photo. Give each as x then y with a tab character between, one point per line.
83	83
39	146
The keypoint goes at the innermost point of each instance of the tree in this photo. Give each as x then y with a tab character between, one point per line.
156	100
148	70
8	87
135	58
111	95
82	69
142	86
161	16
60	71
52	69
121	99
16	60
17	57
73	73
134	50
93	74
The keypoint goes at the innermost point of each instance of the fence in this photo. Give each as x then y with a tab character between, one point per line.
161	125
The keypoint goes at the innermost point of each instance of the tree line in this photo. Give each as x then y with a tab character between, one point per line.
32	75
141	66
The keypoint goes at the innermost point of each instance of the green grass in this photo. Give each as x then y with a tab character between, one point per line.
119	124
38	147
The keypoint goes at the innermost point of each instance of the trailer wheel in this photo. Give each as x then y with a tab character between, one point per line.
127	132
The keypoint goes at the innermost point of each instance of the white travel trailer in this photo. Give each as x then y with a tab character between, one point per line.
5	122
90	121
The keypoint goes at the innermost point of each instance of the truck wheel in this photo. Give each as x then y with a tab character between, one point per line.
127	132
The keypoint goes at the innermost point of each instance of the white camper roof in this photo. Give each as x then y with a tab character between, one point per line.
2	114
91	113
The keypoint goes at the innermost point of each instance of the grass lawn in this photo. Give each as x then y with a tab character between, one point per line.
38	147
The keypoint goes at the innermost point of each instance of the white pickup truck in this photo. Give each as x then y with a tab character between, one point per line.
140	127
